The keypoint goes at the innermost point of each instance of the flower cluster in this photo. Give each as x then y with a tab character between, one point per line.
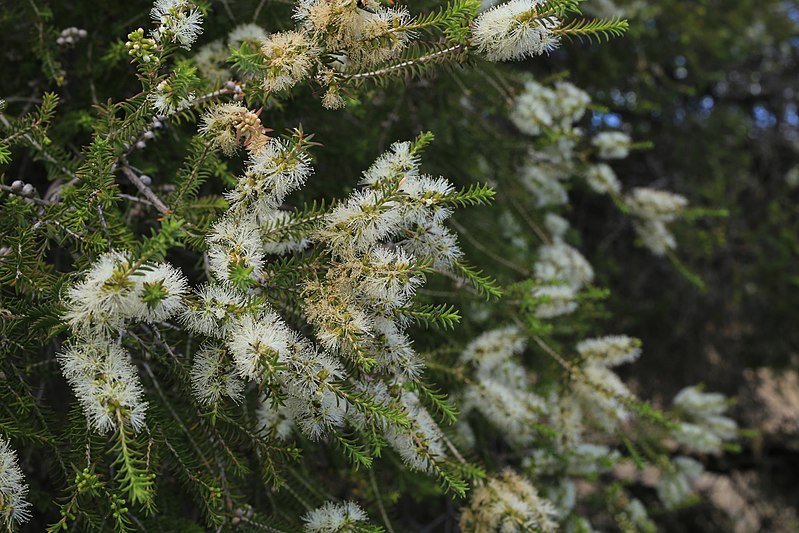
14	507
507	503
385	237
501	388
229	125
612	145
302	326
551	114
168	101
515	30
361	33
113	294
117	290
332	517
331	37
706	428
382	241
289	57
178	22
538	107
250	343
674	487
599	394
654	209
105	383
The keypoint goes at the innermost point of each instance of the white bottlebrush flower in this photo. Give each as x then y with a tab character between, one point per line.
588	459
556	300
272	173
638	515
247	32
161	289
14	509
508	503
698	404
571	102
381	37
612	144
433	242
513	232
563	497
106	297
513	31
494	347
396	354
610	351
532	108
557	225
312	404
423	201
398	162
501	392
559	262
178	21
166	101
335	517
567	417
543	181
792	177
216	309
655	236
289	56
212	376
105	383
316	415
723	427
602	179
210	60
359	223
602	395
308	370
274	419
337	320
390	277
537	108
259	345
707	428
696	438
333	99
515	412
228	125
365	33
235	241
655	205
674	487
421	444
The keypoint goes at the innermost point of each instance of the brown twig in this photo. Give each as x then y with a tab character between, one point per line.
145	190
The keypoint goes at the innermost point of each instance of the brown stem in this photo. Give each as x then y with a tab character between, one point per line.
145	190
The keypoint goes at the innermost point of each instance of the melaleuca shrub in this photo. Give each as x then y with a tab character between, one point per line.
213	322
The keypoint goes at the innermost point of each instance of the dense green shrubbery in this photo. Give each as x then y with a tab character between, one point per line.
232	301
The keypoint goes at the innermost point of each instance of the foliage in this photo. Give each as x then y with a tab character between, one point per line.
213	319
